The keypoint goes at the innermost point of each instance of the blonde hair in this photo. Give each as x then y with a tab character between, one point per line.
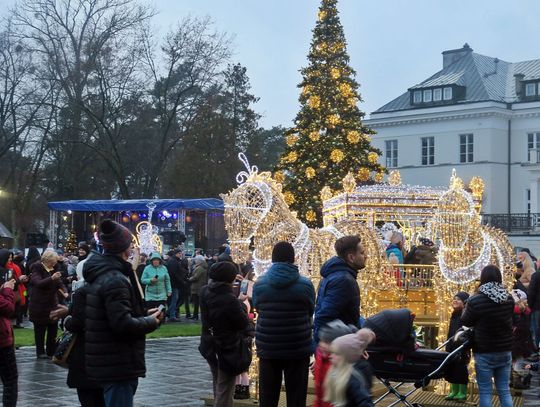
337	380
49	257
528	269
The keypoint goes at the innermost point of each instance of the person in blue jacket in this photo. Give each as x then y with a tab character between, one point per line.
339	295
158	283
285	301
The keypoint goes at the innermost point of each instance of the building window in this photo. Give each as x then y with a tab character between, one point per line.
447	94
391	153
428	150
530	89
427	95
437	95
533	147
528	195
466	148
417	96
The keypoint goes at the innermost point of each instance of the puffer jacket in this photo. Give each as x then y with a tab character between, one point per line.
223	318
490	313
160	290
77	377
533	292
7	307
285	302
116	324
338	296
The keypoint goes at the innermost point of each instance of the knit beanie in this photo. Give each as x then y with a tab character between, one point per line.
114	237
223	271
335	329
283	252
85	247
353	346
463	296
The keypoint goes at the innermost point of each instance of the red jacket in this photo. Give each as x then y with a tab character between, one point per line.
20	287
322	365
7	307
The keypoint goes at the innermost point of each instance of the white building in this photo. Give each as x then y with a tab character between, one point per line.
481	116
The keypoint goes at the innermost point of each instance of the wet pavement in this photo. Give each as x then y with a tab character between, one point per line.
176	376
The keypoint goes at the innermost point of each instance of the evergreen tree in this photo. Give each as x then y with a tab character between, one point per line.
71	243
328	139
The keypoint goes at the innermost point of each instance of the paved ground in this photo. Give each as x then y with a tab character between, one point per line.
177	376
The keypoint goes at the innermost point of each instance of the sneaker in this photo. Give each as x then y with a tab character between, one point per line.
42	356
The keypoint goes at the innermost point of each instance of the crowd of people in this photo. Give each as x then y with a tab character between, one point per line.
110	296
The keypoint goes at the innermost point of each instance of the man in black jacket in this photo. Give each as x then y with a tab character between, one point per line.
178	277
116	322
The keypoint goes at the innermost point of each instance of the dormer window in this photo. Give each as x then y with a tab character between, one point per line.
436	95
447	93
530	89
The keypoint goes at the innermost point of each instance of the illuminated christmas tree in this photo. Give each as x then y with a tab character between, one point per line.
328	139
71	243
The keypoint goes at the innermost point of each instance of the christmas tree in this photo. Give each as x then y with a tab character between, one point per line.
71	243
328	139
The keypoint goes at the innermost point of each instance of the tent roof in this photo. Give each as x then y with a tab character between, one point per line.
4	232
115	205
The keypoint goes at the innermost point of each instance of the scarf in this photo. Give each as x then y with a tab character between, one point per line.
494	291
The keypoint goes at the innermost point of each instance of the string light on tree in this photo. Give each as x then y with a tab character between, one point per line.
331	136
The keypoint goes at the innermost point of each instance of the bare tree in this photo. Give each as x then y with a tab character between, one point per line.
193	56
84	46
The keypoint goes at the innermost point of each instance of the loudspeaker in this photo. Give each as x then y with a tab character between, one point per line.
173	237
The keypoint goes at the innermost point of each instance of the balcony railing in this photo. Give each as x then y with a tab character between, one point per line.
411	276
514	222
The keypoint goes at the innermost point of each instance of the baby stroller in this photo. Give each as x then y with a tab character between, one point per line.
395	358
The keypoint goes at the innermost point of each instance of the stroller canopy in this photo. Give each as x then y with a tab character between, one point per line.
394	329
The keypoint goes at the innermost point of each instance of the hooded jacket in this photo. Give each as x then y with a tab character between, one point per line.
159	290
115	324
285	302
490	312
338	296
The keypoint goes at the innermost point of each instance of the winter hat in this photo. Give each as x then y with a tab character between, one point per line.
114	237
426	242
353	346
223	271
85	247
519	295
59	252
283	252
335	329
463	296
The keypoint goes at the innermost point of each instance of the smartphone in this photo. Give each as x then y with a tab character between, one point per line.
9	274
244	286
161	308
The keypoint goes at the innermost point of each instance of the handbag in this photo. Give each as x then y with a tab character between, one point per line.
64	344
235	359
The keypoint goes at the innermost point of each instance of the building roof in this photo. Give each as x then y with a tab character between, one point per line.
485	79
114	205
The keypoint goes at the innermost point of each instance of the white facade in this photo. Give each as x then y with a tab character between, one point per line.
497	129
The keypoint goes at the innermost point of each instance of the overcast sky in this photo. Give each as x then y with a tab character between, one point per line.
393	44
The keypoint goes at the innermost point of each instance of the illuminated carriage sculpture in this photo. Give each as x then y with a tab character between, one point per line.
256	217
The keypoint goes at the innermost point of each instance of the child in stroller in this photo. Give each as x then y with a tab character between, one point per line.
396	358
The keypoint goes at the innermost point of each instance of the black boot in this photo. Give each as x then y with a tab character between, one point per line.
238	392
